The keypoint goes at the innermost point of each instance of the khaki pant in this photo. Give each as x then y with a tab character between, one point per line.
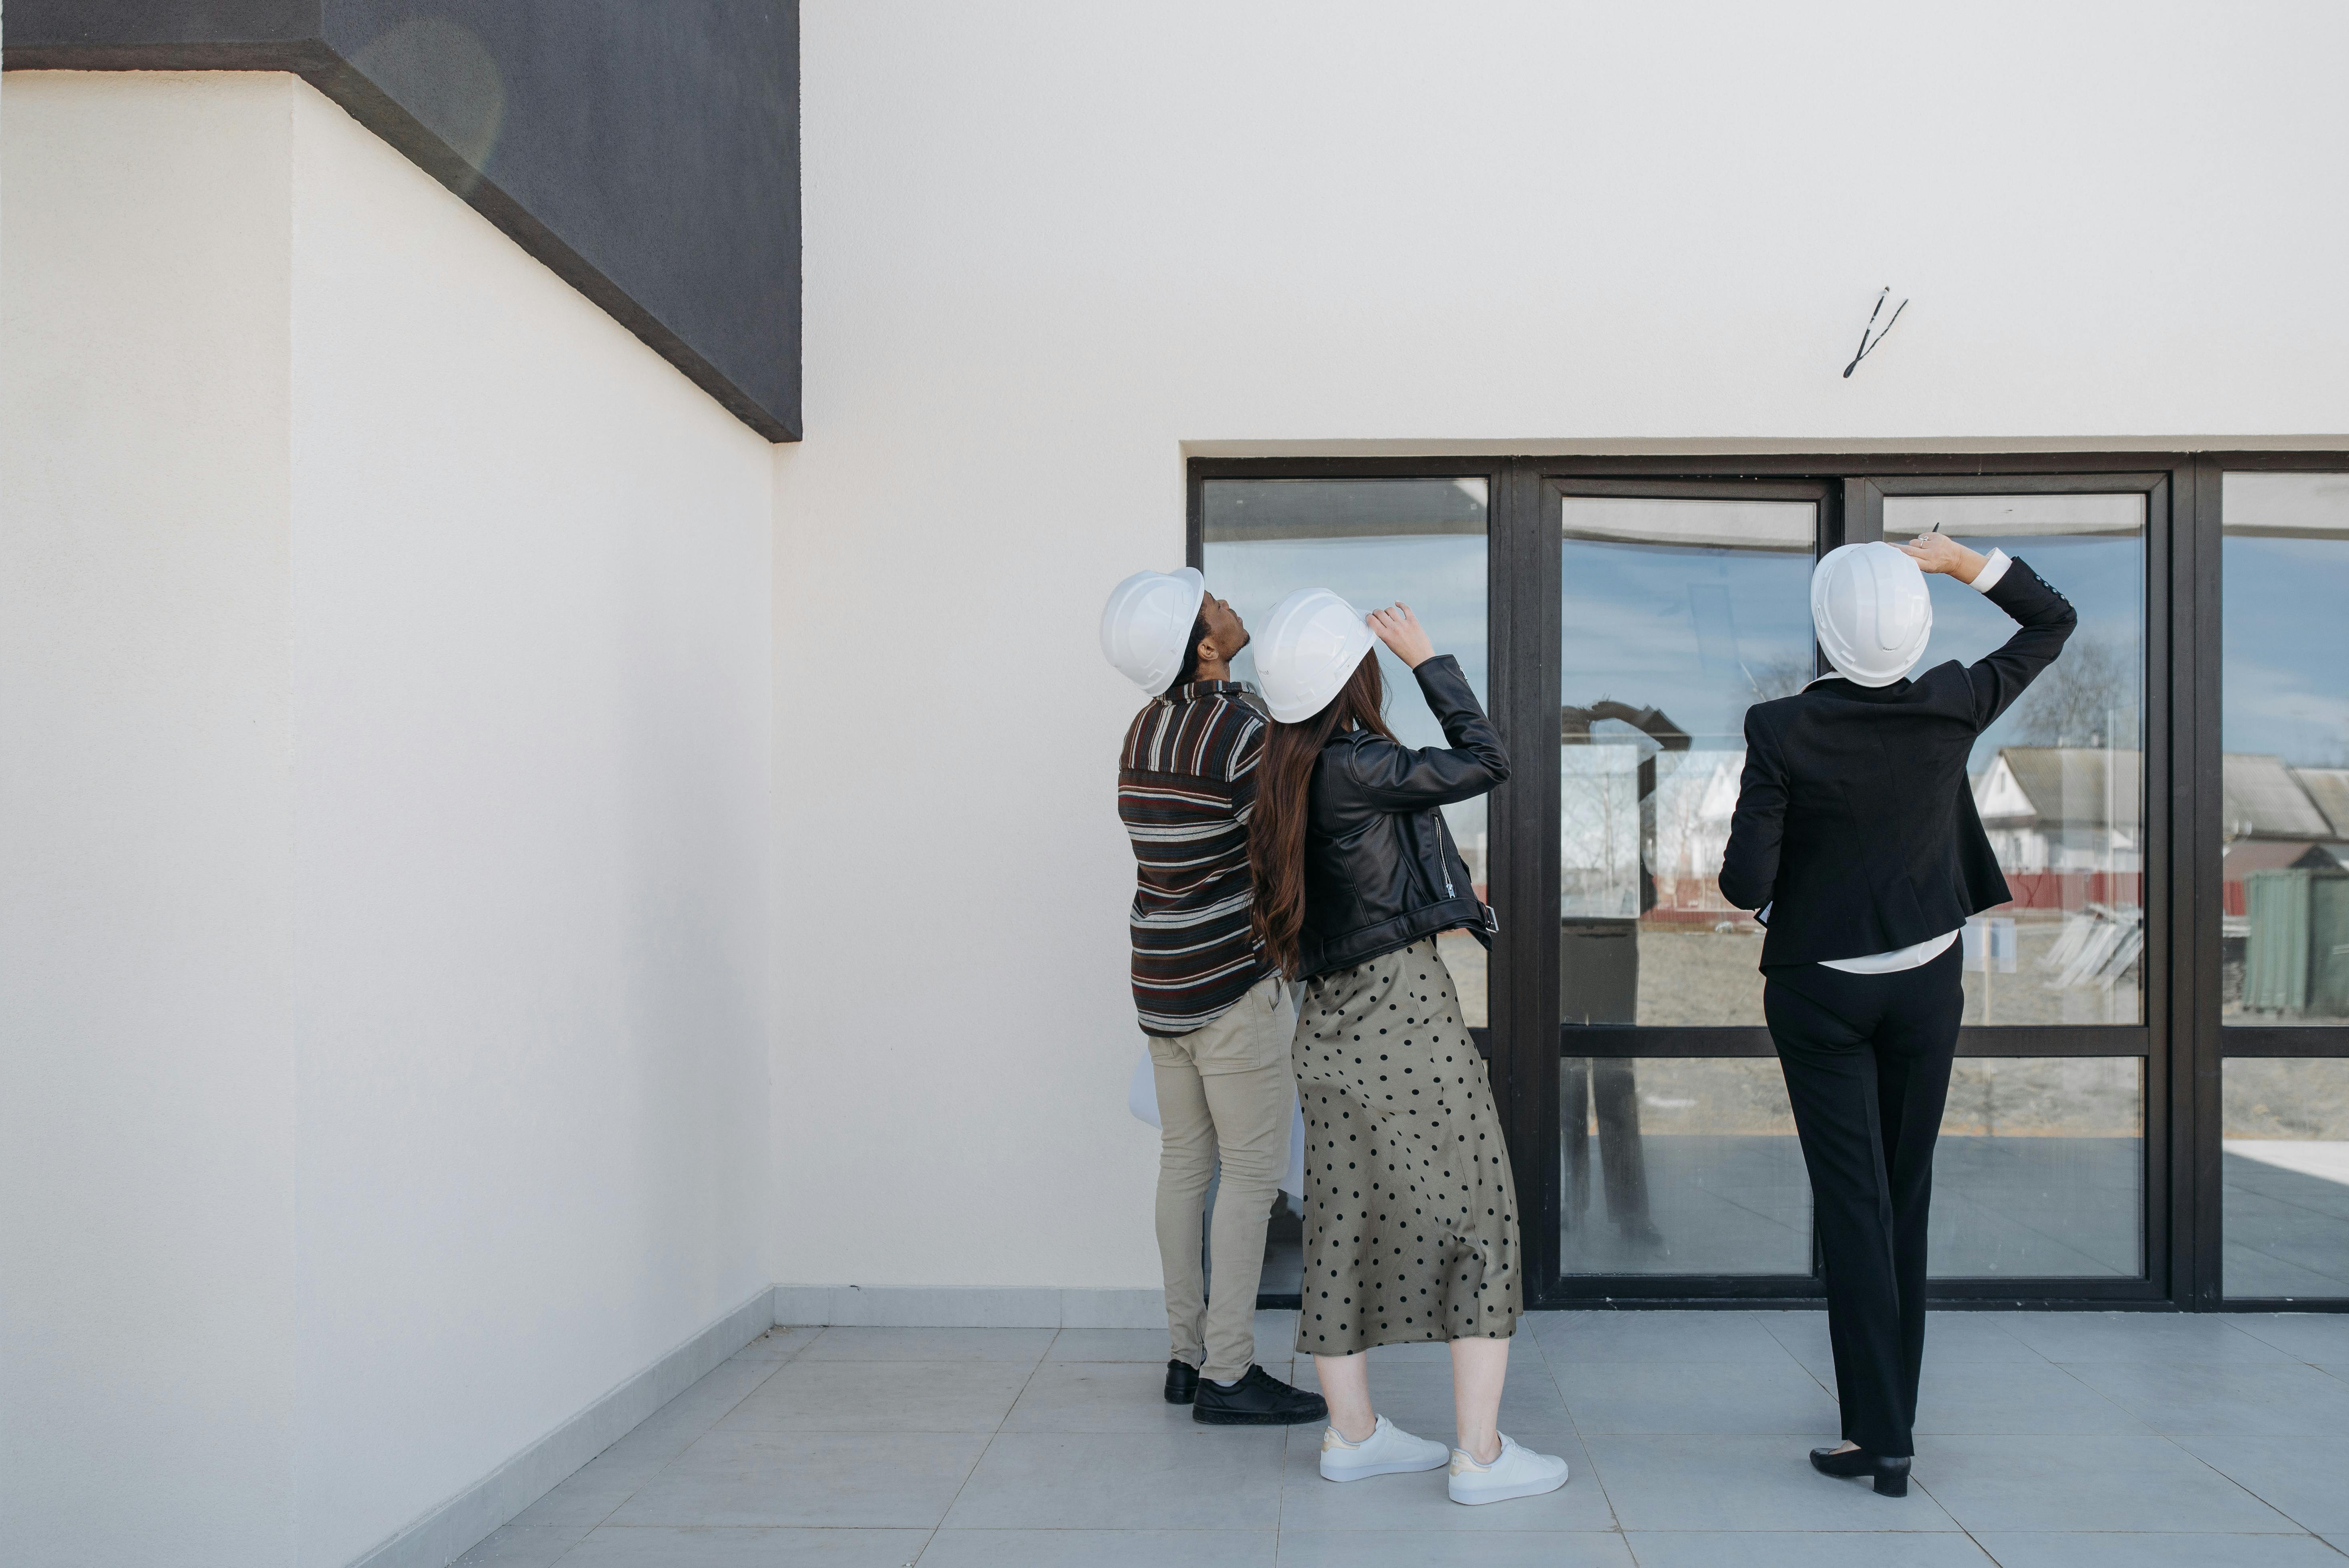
1224	1089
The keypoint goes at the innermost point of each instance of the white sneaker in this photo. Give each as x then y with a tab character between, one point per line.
1388	1451
1517	1472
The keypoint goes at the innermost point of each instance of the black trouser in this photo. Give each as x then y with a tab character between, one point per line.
1866	1058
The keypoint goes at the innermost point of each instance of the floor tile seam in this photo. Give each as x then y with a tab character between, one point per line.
717	1420
980	1458
1589	1459
2178	1441
690	1446
574	1546
2098	1394
552	1561
746	1529
2066	1366
2240	1486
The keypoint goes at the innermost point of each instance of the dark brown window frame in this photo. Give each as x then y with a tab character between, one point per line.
2180	1040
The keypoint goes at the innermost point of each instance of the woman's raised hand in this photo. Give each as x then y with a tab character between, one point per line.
1400	630
1935	551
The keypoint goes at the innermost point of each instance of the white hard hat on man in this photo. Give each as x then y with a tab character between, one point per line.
1873	613
1145	628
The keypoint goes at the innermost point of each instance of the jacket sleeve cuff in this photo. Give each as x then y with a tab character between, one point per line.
1993	570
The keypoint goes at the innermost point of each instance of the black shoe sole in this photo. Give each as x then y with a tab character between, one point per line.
1175	1398
1252	1418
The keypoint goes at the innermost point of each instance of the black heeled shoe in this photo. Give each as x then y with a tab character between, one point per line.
1181	1382
1889	1474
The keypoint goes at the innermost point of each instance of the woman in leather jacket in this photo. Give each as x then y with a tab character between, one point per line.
1410	1229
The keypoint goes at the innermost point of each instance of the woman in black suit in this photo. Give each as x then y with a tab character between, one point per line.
1856	839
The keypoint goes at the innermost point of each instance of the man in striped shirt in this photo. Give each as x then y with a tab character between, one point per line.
1218	1019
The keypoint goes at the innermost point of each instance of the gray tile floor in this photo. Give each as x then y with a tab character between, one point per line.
2046	1440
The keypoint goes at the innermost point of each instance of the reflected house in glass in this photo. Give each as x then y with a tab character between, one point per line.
2065	824
2283	913
2175	846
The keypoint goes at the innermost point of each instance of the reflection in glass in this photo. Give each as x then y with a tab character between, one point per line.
1677	616
2285	921
1697	1169
2039	1170
1372	543
2285	1153
2059	780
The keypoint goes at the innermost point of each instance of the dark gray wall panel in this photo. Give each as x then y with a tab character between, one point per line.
647	150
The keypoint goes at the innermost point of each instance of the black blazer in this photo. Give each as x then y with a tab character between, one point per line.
1855	818
1380	870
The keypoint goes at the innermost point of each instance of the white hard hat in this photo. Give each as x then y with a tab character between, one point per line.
1309	648
1145	627
1872	611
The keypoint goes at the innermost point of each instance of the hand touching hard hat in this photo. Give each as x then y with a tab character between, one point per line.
1308	649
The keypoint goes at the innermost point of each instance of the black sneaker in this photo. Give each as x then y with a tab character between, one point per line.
1258	1400
1181	1382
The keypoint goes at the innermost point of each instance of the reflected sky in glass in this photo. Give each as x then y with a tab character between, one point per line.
2104	576
1441	575
2286	654
1700	634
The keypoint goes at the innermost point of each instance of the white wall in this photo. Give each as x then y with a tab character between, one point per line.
385	887
1050	245
531	717
147	1146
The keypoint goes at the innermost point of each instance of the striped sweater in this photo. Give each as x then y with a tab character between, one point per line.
1185	782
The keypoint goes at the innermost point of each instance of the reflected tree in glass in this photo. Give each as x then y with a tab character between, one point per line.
2059	780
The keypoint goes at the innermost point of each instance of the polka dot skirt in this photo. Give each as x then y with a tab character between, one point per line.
1411	1224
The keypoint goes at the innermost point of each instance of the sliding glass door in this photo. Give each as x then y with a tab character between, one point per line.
2283	889
2151	1100
1676	612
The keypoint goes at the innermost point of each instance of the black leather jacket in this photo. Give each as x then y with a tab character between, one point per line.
1380	870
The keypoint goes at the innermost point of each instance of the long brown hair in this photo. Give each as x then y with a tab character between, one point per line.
1276	824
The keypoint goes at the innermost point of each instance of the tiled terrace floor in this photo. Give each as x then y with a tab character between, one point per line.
2124	1439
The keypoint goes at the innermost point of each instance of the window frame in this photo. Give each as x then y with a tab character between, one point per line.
2180	1039
2215	1041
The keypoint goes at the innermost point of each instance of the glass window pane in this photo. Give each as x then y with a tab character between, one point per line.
2286	1153
2060	779
1677	616
1680	1166
2284	922
2039	1170
1372	543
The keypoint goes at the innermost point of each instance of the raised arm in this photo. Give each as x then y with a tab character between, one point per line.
2047	618
1397	777
1749	868
2048	621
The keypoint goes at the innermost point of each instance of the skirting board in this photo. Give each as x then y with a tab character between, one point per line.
970	1307
458	1525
